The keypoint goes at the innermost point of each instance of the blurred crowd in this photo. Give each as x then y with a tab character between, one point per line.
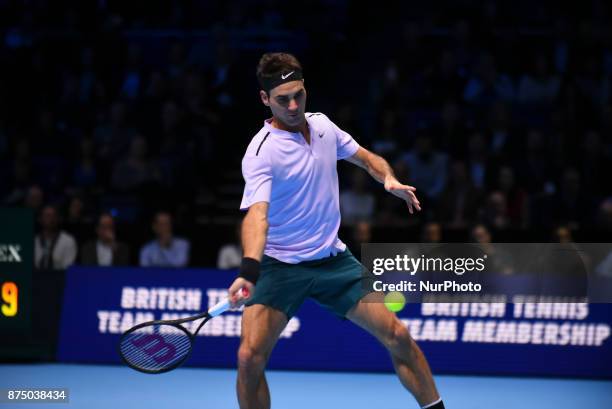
499	113
57	249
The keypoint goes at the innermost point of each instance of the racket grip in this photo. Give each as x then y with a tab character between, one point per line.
224	305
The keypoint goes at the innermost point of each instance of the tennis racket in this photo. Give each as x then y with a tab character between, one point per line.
160	346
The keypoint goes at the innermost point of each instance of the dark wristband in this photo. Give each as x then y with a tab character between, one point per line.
249	269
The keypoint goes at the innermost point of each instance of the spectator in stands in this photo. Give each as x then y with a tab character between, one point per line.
458	204
77	221
432	233
506	108
481	234
498	260
566	258
515	197
503	141
176	147
357	203
477	160
132	77
427	167
533	168
230	255
487	84
562	234
361	234
85	174
20	175
137	170
34	198
105	250
450	134
54	249
386	139
463	44
446	80
571	204
539	86
166	250
113	136
48	137
495	211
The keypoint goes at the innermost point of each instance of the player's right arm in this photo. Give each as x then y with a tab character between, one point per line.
254	233
255	230
257	173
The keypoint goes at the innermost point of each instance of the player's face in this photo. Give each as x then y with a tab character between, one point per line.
287	103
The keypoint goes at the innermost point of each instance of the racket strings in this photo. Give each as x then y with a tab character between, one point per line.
155	347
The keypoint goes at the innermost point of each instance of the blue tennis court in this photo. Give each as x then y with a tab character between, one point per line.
93	386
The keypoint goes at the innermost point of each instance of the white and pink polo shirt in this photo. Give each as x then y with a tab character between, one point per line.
300	182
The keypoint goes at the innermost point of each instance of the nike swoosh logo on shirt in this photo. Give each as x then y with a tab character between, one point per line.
285	76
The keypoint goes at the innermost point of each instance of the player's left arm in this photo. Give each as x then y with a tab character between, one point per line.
380	170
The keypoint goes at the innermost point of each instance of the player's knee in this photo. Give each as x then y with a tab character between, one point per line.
397	336
251	360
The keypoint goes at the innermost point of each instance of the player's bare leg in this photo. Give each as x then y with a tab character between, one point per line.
408	359
261	327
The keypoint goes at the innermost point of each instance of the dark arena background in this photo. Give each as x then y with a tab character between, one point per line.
124	123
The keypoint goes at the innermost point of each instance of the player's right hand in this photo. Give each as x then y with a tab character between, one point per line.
238	297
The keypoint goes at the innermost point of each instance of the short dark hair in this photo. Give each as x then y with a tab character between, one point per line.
271	64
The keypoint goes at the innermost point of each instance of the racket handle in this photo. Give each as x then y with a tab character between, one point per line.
224	305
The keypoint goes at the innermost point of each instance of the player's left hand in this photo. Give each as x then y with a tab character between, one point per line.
404	192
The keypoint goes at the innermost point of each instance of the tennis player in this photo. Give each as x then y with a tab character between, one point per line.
290	236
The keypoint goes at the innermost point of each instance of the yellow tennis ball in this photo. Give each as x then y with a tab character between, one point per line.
395	301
